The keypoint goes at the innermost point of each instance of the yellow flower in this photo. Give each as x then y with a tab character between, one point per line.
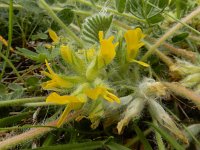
107	50
53	36
101	91
133	41
105	55
66	54
74	102
56	81
66	99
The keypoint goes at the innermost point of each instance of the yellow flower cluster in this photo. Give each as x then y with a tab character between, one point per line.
88	83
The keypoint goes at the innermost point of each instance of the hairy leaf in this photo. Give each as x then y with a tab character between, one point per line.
93	25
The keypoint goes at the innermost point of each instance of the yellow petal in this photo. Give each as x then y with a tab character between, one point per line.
133	41
82	98
139	33
101	91
49	85
93	93
64	115
113	97
62	82
66	99
66	54
111	38
5	42
46	74
140	62
108	98
49	68
53	35
56	81
107	50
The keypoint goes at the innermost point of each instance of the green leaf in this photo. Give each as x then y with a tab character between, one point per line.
155	19
39	36
27	53
14	86
144	9
17	90
180	37
115	146
67	17
120	5
167	137
41	53
93	25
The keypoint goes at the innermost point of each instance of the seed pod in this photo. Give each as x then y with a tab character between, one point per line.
159	114
132	112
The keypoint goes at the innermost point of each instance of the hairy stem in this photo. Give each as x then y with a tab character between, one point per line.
33	133
181	52
184	92
26	136
162	56
177	51
17	102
